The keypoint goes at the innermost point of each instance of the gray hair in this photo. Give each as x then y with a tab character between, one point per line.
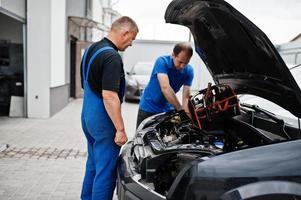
125	22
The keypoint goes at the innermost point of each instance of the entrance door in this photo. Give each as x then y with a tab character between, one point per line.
72	67
11	67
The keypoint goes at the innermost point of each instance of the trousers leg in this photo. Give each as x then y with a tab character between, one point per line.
90	172
106	155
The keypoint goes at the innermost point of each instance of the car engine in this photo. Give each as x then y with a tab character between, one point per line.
167	143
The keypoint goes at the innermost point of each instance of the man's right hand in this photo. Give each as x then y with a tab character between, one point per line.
120	138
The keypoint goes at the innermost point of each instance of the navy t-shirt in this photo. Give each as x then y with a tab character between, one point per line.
153	100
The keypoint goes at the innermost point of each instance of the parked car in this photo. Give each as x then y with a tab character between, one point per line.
137	79
226	149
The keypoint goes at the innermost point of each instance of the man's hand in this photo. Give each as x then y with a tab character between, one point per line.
120	138
185	98
184	115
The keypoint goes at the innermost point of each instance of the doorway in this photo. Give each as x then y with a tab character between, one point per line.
73	67
11	67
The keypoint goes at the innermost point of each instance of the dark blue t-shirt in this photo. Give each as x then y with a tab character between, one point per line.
153	100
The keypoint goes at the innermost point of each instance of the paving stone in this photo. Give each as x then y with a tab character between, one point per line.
46	157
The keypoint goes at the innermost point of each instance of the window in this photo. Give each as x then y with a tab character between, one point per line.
4	55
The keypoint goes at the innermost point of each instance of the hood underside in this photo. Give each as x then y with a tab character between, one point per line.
236	52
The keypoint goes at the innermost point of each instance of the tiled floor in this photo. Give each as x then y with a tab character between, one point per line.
46	157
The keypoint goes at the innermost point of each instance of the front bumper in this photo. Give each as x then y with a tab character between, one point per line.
128	185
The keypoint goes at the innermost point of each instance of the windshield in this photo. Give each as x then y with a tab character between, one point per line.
142	69
270	107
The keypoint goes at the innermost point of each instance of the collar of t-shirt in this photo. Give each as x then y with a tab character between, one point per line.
111	43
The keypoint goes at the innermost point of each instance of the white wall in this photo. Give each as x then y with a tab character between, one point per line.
150	50
75	8
291	52
58	42
97	11
16	7
38	57
46	39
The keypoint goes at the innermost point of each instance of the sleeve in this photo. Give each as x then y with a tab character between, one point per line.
160	66
189	77
112	72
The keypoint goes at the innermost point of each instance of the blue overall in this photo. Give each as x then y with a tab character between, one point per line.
100	176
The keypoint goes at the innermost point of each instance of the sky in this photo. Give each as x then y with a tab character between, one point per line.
280	20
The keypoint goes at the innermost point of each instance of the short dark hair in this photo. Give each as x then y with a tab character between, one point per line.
183	46
125	21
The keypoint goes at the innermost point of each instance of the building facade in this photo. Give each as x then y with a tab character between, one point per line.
41	44
291	51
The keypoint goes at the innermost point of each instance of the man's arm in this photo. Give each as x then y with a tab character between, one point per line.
168	92
185	97
113	108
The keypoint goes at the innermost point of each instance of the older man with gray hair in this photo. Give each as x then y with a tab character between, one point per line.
103	82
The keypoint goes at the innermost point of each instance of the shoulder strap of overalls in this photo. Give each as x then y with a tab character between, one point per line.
85	75
84	63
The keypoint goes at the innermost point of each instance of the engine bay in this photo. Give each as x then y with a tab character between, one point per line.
170	141
180	131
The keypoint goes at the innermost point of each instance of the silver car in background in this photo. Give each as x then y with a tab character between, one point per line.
136	80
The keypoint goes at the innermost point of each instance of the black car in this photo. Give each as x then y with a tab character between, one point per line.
225	149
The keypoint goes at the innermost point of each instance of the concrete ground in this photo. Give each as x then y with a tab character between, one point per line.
46	157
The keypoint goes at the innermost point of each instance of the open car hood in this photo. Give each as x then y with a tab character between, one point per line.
236	52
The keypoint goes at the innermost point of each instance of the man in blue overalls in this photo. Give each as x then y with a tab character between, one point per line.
103	82
170	73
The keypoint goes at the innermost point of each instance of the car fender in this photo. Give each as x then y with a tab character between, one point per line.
263	188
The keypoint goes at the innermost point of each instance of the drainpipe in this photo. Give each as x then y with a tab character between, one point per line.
86	16
25	62
86	8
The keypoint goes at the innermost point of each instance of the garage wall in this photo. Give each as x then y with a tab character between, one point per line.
58	42
38	57
150	50
46	29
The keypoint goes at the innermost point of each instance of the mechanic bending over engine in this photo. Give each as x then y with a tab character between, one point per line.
104	84
170	73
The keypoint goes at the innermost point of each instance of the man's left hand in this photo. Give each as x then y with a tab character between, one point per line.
120	138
